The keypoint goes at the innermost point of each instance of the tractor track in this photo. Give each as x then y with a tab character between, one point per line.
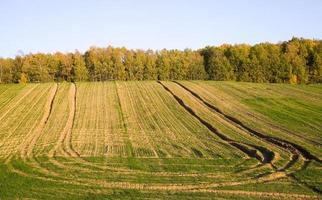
64	141
32	136
37	133
202	187
26	151
265	156
295	149
290	146
243	147
64	144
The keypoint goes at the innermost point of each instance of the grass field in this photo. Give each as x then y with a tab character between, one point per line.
160	140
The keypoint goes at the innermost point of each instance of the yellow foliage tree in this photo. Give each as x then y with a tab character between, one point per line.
293	79
23	78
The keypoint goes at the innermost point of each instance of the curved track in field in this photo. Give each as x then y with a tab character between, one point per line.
264	122
64	144
64	147
248	149
78	164
295	149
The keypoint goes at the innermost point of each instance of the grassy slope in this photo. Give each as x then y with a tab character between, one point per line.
135	140
284	111
295	109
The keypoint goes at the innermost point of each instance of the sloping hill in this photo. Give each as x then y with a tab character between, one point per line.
160	140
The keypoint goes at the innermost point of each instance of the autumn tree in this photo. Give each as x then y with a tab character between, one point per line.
298	61
79	67
35	67
315	71
163	65
219	66
149	70
6	70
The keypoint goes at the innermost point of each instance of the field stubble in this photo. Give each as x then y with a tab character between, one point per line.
148	138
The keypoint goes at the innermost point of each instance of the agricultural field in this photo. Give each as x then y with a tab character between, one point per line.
160	140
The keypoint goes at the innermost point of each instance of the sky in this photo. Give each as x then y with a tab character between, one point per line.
66	25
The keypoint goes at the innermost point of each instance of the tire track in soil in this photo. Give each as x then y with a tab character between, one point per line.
90	182
82	161
290	146
34	163
70	135
64	144
243	147
64	140
26	152
269	124
204	187
26	147
240	146
47	174
295	149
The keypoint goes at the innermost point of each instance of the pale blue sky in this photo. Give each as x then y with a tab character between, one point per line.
66	25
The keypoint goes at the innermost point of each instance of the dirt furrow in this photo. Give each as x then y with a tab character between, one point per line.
27	151
64	140
203	187
240	146
28	142
158	187
64	143
265	123
291	147
38	131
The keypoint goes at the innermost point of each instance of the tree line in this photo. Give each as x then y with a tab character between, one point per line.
297	61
